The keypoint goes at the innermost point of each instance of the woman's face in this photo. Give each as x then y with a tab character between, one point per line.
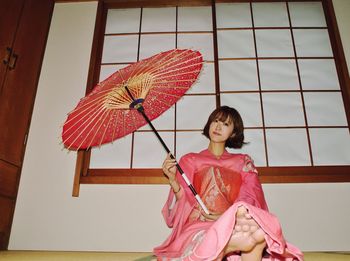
220	131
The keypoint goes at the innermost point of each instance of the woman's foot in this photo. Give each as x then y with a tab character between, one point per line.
246	234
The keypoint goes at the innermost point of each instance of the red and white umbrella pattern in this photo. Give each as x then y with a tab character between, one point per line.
105	115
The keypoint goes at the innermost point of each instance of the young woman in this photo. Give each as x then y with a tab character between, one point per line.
239	226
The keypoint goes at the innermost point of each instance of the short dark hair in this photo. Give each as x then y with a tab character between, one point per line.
222	113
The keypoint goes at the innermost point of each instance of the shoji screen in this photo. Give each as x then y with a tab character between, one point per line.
273	62
278	69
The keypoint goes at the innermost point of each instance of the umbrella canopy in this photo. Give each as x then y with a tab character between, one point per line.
107	112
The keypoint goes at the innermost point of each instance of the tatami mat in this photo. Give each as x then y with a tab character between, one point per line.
105	256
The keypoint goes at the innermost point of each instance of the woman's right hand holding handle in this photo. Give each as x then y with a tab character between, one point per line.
169	170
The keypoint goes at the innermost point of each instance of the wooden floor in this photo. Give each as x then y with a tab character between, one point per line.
104	256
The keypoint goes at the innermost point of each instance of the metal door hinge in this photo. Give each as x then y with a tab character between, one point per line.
25	139
7	55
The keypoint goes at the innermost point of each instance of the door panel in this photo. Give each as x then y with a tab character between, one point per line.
7	207
21	81
10	11
8	179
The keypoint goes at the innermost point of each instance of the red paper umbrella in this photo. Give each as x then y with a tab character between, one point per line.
132	97
110	112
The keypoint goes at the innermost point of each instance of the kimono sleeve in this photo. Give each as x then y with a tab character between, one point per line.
173	208
251	190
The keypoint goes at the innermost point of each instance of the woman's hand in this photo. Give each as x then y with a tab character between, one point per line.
169	168
211	216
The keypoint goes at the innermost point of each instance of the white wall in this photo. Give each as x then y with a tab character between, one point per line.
342	8
127	217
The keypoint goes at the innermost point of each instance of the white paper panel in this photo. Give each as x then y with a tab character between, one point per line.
120	49
325	108
330	146
193	111
233	15
108	70
283	109
206	80
318	74
238	75
312	43
148	151
166	121
123	20
247	104
287	147
202	42
278	75
112	155
270	14
307	14
274	43
190	141
195	19
255	148
236	44
158	19
152	44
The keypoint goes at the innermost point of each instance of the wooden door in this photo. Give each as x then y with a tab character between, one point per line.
21	79
24	26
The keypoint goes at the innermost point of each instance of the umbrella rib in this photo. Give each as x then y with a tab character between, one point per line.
150	61
161	88
167	104
87	106
177	75
123	121
162	81
173	72
91	118
172	86
106	128
79	120
134	120
92	102
91	128
177	63
78	130
160	64
78	114
114	129
120	99
160	73
139	67
173	95
158	67
99	127
121	75
172	81
174	62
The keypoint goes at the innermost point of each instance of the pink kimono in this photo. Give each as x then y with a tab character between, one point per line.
224	184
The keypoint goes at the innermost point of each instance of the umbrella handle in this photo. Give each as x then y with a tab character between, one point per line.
183	175
141	110
194	192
